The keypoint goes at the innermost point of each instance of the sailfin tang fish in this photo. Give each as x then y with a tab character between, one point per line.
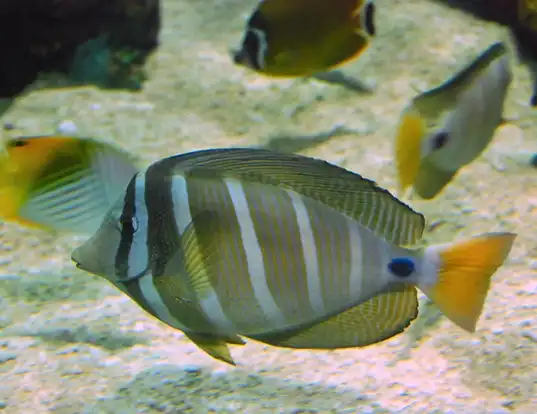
285	249
61	183
446	128
292	38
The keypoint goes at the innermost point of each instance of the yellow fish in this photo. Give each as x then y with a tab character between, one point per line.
447	127
61	183
292	38
284	249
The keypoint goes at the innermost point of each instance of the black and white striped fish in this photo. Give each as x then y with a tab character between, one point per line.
285	249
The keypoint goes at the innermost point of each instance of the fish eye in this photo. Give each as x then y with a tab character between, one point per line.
127	224
439	140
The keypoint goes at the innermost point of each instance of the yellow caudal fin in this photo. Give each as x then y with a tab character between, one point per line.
410	134
464	270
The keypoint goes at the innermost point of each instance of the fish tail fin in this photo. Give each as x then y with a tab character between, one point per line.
462	273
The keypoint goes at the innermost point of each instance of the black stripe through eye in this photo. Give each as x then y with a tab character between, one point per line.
127	230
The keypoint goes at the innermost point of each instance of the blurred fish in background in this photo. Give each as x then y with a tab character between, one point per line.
60	183
301	38
520	16
284	249
449	126
100	42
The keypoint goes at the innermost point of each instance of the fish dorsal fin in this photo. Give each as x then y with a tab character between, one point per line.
434	103
372	321
349	193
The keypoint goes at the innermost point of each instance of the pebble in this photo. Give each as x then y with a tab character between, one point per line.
7	356
532	336
67	127
192	369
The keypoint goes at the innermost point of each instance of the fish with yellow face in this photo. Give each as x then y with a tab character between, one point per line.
61	183
284	249
446	128
293	38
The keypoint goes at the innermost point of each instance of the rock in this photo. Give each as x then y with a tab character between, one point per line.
101	42
7	356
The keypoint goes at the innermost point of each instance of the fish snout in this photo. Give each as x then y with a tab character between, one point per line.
86	257
240	57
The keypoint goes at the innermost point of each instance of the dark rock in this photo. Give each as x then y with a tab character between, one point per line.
102	42
522	25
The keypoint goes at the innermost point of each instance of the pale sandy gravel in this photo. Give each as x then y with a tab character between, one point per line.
71	344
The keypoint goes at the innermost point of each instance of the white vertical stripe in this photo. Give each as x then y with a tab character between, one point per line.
181	210
254	256
309	251
210	304
153	299
356	265
138	253
385	256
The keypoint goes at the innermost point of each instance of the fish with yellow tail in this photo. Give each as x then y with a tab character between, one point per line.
61	183
284	249
448	127
293	38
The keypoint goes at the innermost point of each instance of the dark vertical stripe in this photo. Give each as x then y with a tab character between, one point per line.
164	244
330	232
132	288
122	255
127	230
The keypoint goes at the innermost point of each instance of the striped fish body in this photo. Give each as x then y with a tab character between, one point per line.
223	250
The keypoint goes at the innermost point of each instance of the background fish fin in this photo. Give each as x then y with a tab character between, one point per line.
75	191
436	101
115	168
74	203
359	198
214	346
410	135
375	320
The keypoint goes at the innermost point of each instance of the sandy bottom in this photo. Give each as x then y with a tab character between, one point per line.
71	343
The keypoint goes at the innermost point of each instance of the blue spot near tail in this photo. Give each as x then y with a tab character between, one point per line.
402	266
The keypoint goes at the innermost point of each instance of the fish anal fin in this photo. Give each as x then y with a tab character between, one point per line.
215	346
377	319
